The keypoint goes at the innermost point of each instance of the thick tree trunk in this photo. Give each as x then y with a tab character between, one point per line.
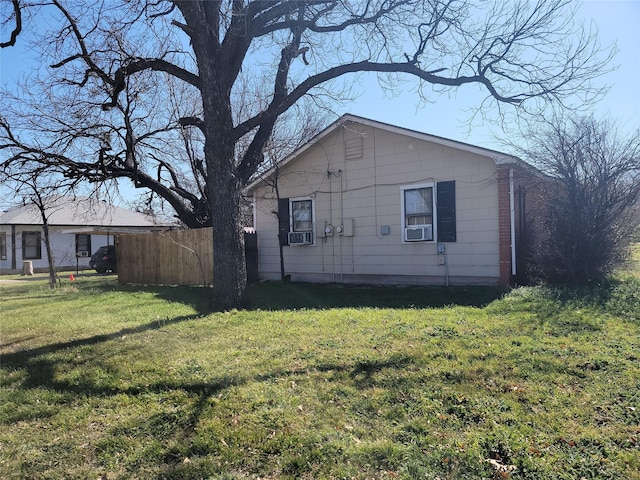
223	183
224	187
229	269
47	245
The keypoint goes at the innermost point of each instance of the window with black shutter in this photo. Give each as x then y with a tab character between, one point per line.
417	213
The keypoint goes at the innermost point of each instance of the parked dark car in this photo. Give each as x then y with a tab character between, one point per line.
104	259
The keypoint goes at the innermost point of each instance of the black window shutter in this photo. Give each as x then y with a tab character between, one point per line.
283	221
446	206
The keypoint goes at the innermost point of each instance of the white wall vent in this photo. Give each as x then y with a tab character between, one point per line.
353	148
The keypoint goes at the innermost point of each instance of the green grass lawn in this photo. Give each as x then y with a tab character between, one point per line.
104	381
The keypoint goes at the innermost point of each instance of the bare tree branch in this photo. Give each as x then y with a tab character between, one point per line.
16	17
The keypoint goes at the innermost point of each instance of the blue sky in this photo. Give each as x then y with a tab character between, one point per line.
616	21
448	115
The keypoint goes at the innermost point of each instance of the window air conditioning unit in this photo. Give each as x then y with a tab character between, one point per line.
418	234
82	253
300	238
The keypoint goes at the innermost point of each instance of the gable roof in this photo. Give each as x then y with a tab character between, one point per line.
77	212
499	158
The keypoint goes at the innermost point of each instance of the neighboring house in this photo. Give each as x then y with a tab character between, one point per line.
77	227
368	202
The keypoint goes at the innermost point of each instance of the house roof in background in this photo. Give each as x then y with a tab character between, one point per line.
77	212
344	121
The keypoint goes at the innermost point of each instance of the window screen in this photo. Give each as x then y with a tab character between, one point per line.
418	206
301	215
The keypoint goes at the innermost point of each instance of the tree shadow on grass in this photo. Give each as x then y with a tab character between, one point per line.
22	358
174	427
288	296
41	369
268	296
297	296
40	372
195	297
294	296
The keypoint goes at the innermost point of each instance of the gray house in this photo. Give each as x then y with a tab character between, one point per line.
78	226
368	202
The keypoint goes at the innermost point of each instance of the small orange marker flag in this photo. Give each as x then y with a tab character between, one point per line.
72	278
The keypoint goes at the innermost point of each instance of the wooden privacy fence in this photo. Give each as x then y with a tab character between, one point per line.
177	257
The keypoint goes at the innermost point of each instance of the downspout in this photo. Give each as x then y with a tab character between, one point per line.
512	215
333	241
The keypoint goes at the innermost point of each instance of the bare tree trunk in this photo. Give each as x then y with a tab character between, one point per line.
229	268
47	244
283	275
280	242
40	203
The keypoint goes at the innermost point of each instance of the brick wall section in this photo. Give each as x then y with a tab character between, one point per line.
533	190
504	225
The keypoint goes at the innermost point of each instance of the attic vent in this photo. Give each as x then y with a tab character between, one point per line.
353	148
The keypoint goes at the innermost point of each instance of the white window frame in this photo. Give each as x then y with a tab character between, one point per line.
313	217
403	217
